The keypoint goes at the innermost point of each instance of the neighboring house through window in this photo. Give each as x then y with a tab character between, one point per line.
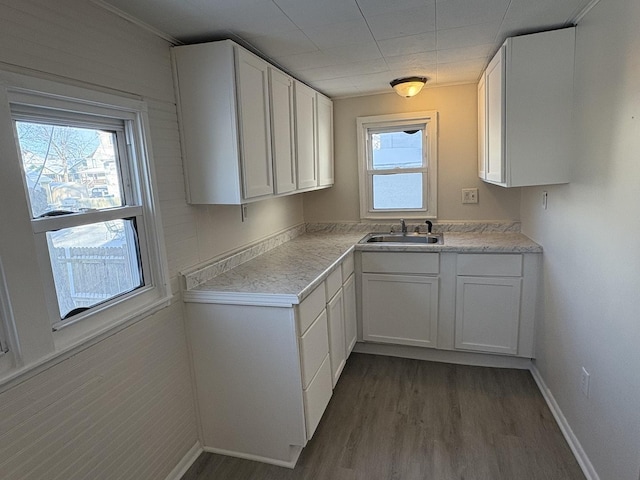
398	165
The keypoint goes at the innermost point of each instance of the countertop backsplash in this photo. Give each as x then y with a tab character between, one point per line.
204	272
457	227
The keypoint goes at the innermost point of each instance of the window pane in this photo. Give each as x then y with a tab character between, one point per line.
69	168
400	191
397	150
94	263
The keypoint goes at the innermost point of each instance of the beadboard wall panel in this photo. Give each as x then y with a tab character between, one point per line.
79	40
178	218
123	408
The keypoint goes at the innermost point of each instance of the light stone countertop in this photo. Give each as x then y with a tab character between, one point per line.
288	273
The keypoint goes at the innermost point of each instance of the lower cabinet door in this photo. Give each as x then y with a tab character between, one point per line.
488	314
350	319
314	346
337	348
400	309
317	396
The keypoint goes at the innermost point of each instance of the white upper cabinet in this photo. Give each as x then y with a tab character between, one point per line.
306	136
282	130
240	118
314	138
525	111
325	140
494	110
254	124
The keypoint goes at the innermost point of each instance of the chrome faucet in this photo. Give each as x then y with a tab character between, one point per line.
403	225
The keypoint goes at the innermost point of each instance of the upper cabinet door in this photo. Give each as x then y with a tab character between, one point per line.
325	140
255	134
305	101
282	131
482	128
494	75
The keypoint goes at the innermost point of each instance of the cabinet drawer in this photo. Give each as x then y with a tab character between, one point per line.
333	282
314	346
400	262
317	396
311	307
488	265
347	266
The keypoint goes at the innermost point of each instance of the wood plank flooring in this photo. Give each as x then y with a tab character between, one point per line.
401	419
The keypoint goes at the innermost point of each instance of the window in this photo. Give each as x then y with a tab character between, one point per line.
88	185
398	160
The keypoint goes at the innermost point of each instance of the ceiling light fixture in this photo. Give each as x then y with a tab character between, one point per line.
408	86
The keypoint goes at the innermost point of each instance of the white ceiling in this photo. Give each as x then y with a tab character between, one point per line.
355	47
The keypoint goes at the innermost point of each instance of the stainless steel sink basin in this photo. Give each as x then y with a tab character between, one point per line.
416	238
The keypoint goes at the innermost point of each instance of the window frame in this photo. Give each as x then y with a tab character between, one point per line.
366	126
24	95
9	347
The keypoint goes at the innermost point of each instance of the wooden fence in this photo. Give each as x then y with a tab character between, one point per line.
87	276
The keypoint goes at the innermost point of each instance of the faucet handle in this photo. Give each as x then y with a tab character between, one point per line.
429	225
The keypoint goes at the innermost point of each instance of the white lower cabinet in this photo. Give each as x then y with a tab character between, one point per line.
400	298
337	348
488	314
262	374
350	315
495	303
476	302
400	309
317	396
341	315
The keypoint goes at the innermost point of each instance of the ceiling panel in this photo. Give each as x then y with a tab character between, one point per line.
340	33
469	36
402	23
279	43
424	42
461	13
352	47
310	14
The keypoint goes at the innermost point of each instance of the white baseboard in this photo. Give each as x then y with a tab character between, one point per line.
565	428
188	460
446	356
256	458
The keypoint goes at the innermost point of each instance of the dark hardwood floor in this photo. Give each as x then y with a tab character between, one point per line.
394	418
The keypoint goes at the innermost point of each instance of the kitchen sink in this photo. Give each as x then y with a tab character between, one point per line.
416	238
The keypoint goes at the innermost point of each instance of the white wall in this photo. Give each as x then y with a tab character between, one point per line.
590	234
123	408
457	157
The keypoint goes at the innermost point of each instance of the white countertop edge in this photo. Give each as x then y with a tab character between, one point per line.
403	247
241	298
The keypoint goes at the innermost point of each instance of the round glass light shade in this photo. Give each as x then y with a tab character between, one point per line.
408	87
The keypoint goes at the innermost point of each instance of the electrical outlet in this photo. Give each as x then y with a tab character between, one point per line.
584	382
545	197
244	211
469	195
